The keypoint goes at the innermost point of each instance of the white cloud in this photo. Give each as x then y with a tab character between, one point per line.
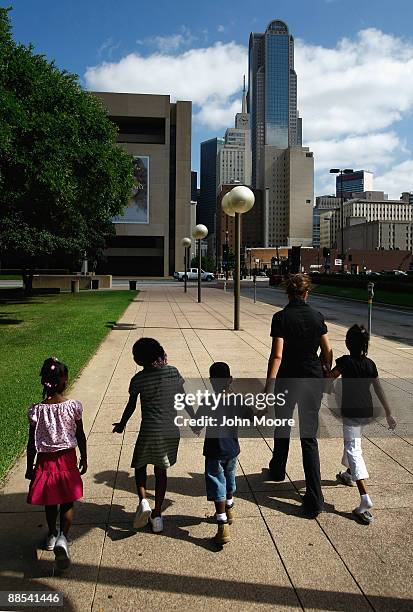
397	179
208	76
350	96
108	47
217	114
360	86
368	151
221	28
170	43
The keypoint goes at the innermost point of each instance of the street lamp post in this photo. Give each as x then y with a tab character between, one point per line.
186	243
200	232
236	202
341	172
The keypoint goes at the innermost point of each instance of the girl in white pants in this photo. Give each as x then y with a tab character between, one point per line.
359	373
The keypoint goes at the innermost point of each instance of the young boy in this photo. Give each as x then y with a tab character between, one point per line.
221	450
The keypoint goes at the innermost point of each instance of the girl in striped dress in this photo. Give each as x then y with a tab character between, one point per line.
158	438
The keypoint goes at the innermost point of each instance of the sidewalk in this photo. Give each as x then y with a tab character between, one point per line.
276	560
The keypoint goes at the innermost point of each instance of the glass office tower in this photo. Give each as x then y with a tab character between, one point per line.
272	92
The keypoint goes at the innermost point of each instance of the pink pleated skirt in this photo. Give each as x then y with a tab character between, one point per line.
56	479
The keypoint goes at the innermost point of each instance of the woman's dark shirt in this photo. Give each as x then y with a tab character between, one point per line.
301	328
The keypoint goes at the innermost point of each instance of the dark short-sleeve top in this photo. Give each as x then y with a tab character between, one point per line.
222	442
358	374
301	328
157	388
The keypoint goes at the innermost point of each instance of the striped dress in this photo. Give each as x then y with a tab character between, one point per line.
158	437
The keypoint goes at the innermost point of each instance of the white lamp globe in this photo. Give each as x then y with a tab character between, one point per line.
226	205
200	231
242	199
186	242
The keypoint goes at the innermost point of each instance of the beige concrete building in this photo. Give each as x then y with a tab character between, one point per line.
379	235
325	229
288	176
234	159
370	206
158	134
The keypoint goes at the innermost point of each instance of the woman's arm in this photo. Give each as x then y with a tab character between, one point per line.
326	353
383	399
31	453
127	413
274	360
81	442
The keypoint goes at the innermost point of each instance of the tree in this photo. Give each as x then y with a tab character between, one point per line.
207	263
62	176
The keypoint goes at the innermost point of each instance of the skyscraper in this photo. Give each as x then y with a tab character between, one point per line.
234	158
272	92
208	184
355	182
280	165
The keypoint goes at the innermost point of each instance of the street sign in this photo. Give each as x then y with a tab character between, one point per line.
338	262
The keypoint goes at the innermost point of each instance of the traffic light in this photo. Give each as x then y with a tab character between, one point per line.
326	252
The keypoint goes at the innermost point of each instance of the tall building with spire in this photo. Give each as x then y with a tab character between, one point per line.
280	165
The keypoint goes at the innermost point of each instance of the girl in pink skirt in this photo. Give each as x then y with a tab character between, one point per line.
55	430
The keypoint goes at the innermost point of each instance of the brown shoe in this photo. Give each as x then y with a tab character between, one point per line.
231	514
222	536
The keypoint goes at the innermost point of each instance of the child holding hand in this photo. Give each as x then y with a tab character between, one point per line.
158	439
359	373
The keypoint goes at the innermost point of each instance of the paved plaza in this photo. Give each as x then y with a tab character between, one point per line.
276	559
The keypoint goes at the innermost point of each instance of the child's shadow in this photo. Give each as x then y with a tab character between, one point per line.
174	527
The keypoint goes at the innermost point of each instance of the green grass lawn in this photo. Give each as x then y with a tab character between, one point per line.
10	277
380	295
68	326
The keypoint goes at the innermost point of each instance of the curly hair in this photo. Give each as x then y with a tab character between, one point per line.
53	375
297	285
147	351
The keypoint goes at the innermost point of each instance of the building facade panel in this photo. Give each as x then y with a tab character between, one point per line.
150	126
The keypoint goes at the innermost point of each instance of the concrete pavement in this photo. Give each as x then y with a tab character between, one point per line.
276	559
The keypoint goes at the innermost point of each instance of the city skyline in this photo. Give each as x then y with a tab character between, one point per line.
355	90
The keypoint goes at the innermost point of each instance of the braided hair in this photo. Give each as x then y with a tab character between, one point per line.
357	341
53	375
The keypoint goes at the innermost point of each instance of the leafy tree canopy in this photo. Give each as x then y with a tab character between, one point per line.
62	177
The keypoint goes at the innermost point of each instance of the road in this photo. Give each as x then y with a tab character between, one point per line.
387	322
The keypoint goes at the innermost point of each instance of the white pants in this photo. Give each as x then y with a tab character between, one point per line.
353	454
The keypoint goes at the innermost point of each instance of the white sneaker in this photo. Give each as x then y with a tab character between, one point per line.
143	512
61	552
157	524
50	542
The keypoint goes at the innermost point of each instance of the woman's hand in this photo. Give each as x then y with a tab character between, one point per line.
83	465
118	428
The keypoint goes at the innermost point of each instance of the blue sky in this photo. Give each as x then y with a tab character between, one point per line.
354	61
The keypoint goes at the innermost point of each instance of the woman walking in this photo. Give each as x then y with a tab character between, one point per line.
298	332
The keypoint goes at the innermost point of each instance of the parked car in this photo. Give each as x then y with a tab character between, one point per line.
395	273
192	274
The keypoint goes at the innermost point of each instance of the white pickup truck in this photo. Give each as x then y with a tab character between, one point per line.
192	274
